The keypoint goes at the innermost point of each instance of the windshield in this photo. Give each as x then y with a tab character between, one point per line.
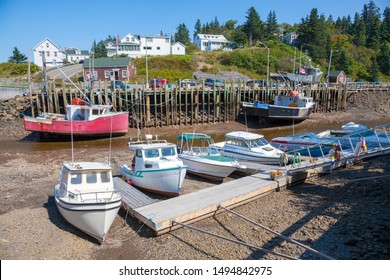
151	153
257	142
168	152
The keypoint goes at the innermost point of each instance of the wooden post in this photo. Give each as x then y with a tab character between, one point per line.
148	110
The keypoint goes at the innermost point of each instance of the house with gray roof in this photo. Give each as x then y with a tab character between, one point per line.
211	42
109	69
75	56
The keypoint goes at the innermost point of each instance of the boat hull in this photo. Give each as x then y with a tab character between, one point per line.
210	169
115	124
250	156
93	218
277	112
166	181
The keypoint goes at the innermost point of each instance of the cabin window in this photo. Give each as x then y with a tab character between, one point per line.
95	112
152	153
213	151
168	152
76	179
138	153
105	177
91	178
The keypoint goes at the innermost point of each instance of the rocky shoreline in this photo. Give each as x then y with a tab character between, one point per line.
336	214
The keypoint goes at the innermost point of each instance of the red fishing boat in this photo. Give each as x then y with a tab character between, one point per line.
81	119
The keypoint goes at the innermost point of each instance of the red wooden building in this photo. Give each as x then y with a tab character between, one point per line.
109	69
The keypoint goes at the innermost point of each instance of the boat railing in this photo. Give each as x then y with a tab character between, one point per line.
99	196
353	145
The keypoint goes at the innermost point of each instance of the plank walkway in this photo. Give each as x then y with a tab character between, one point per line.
131	197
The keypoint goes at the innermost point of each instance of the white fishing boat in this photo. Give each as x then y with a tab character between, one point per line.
155	167
86	198
248	147
203	160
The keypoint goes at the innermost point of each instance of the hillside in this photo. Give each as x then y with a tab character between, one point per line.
251	62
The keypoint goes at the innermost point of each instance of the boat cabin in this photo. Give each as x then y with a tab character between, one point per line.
87	113
245	140
83	181
197	144
148	155
293	99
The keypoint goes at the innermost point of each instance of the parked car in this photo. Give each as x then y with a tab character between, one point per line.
212	82
188	82
254	83
119	85
159	82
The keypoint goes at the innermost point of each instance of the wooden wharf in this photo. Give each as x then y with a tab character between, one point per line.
177	106
166	215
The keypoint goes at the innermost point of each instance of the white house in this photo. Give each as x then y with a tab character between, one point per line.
142	45
178	49
53	53
75	56
290	38
210	42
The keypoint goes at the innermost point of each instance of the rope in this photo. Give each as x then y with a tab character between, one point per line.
235	241
278	234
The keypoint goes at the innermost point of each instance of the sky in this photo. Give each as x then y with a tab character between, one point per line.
77	23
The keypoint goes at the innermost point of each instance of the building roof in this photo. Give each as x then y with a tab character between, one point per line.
335	73
74	51
213	37
108	62
47	39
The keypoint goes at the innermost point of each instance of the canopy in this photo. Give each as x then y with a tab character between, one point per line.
194	136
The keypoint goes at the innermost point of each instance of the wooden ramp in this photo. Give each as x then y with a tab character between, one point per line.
204	203
131	197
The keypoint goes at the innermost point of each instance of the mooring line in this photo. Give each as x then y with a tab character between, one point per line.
278	234
235	241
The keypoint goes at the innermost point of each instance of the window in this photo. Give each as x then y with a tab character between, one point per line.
76	179
168	152
127	39
107	74
138	153
47	45
158	48
47	54
148	39
91	178
55	54
151	153
105	177
166	40
147	48
95	112
124	73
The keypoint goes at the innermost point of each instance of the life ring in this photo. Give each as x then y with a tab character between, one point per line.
295	99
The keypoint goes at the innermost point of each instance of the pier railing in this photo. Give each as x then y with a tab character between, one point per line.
181	106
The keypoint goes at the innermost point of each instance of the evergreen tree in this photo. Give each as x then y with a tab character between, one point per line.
342	62
385	27
374	69
182	34
253	27
17	57
239	36
371	18
383	59
314	36
99	50
197	28
358	31
271	27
